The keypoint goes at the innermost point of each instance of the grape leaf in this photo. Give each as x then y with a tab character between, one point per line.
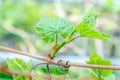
97	60
85	27
29	65
57	70
49	28
90	18
19	64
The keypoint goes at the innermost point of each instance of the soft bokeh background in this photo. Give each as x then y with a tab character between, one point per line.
18	19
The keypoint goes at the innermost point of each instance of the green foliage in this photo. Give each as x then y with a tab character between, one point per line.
49	28
97	60
4	76
85	27
57	70
20	65
89	18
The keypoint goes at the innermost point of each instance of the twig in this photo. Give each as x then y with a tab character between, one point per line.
51	61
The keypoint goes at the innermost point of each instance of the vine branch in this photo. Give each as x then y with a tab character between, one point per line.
51	61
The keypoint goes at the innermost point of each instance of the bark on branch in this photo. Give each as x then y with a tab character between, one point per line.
55	62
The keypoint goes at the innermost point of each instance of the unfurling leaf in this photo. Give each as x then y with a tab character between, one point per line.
49	28
90	18
97	60
85	27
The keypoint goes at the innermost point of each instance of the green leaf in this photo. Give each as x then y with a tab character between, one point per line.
86	32
57	70
10	63
5	76
110	77
85	27
29	64
49	28
19	64
90	18
97	60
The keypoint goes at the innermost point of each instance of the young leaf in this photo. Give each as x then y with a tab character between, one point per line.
90	33
49	28
97	60
57	70
29	64
90	18
85	27
18	64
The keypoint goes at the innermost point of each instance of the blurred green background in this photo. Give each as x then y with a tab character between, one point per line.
18	19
